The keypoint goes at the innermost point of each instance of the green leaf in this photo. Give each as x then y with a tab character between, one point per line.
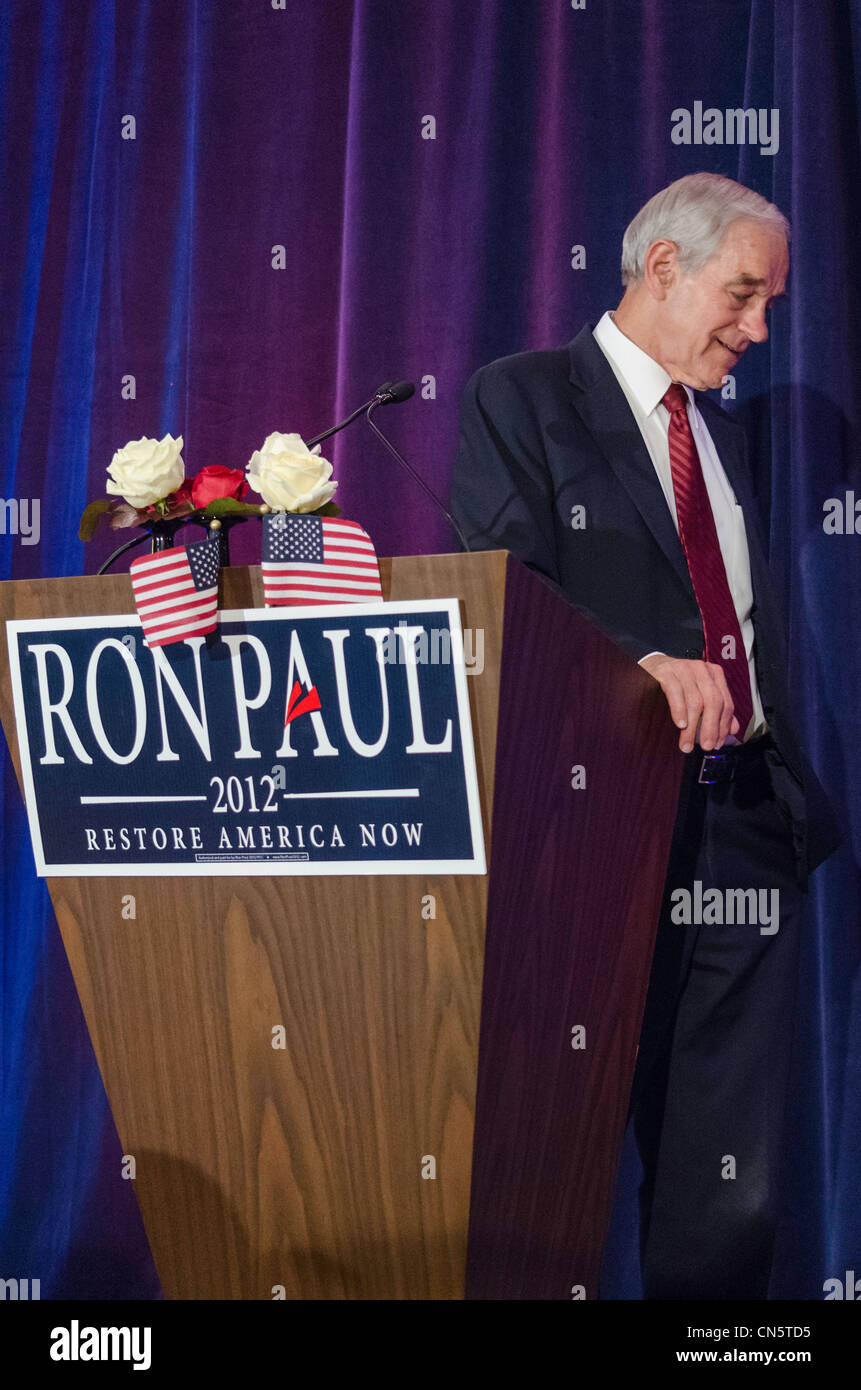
222	506
328	509
91	517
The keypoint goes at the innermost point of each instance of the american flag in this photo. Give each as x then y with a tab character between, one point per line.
317	559
176	592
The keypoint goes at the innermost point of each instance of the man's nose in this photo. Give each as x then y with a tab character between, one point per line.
753	323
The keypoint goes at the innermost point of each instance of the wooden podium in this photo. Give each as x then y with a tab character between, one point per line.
409	1038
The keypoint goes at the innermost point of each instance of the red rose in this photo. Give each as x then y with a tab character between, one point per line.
217	481
183	493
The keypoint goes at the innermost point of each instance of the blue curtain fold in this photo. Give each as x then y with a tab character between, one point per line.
324	196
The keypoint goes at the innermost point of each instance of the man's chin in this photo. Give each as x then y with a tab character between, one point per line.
713	381
704	383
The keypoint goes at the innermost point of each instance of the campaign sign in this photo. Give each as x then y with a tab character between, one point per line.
317	740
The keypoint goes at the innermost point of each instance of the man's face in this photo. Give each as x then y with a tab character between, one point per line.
709	319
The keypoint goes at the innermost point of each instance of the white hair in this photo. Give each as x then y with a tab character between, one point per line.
695	212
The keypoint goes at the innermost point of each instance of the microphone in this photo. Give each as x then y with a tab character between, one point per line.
391	393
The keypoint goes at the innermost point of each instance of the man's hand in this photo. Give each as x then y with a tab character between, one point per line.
697	694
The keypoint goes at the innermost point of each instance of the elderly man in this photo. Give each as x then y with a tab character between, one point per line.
667	559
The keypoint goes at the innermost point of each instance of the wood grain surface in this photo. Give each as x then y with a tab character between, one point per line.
299	1167
576	879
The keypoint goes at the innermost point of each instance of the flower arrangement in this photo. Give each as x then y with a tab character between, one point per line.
148	486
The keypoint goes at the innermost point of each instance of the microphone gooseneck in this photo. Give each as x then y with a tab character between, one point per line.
402	461
390	393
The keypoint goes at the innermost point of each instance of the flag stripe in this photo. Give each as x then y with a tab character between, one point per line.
189	630
182	605
348	528
182	624
311	581
175	574
297	590
360	571
313	576
176	592
144	563
334	554
318	560
165	593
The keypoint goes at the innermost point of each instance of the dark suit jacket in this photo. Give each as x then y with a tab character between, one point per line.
544	432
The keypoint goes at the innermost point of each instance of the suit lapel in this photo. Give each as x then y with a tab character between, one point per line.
600	402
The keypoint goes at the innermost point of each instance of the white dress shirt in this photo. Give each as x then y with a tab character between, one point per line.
645	383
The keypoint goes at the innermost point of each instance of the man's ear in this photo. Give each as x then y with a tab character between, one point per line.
661	268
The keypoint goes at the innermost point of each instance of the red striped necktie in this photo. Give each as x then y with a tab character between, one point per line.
698	534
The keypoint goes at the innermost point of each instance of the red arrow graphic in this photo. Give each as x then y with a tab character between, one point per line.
301	704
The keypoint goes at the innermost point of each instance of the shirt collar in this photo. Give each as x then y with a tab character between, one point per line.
645	378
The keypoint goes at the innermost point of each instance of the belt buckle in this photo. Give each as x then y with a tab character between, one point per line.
720	763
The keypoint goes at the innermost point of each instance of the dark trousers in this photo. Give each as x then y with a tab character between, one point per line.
710	1083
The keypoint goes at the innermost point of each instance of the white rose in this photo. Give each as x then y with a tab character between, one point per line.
289	476
146	470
